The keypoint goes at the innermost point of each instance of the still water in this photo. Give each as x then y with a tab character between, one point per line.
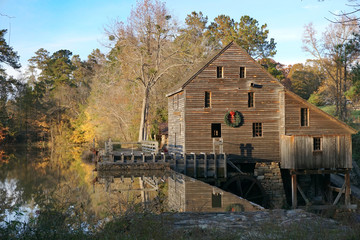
32	180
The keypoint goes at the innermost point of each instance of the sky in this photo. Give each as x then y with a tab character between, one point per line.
78	25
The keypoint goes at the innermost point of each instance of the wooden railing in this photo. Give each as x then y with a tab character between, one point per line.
146	146
150	147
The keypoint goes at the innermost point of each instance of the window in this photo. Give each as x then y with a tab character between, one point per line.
216	200
207	99
216	130
220	72
304	117
317	144
242	72
257	130
250	99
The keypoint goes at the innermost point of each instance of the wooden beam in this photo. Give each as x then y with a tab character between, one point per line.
294	190
303	195
339	194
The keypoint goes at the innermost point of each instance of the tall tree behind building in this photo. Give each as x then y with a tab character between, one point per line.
335	54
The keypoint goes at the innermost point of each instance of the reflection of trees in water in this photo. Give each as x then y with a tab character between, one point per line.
60	181
119	196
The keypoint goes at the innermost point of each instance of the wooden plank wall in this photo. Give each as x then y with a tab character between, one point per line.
318	123
176	123
231	93
297	152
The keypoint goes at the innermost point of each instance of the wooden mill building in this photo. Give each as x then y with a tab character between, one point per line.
231	99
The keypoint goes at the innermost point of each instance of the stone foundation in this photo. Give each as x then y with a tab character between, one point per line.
269	175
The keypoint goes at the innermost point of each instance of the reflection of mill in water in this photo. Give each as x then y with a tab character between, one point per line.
134	189
182	193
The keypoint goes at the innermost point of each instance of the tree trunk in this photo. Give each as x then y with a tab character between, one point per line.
144	115
345	113
337	92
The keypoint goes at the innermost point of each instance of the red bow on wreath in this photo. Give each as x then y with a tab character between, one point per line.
233	119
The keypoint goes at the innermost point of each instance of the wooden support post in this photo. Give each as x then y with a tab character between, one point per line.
347	189
154	157
215	166
294	190
110	145
132	157
185	162
122	157
173	157
225	166
194	157
205	165
143	157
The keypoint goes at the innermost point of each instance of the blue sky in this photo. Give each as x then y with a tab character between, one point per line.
78	25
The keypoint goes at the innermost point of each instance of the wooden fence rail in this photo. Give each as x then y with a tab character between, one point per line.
146	146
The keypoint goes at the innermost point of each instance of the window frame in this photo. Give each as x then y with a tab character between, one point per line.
258	130
242	73
213	130
317	146
219	72
207	99
251	99
304	119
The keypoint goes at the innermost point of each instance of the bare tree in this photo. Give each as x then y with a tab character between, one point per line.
334	53
144	46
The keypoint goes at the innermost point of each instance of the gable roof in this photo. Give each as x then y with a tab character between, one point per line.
324	114
204	64
197	70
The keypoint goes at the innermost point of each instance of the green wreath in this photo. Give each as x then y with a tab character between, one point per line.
232	119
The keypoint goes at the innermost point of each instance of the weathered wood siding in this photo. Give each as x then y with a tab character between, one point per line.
319	123
190	195
176	123
231	93
297	152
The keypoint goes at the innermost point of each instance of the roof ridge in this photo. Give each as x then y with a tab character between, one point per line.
196	71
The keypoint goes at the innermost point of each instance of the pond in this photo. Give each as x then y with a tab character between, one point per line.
36	182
